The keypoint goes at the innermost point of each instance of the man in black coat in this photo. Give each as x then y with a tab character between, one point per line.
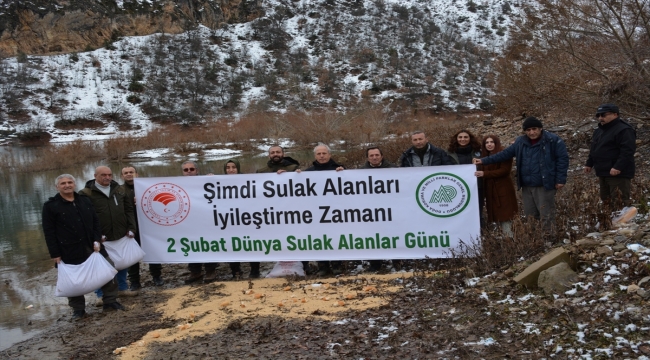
423	153
324	162
71	226
612	156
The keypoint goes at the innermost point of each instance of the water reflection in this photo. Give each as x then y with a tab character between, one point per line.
27	276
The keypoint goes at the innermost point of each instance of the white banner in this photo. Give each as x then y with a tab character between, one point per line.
399	213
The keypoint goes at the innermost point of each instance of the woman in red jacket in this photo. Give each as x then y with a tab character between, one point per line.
500	198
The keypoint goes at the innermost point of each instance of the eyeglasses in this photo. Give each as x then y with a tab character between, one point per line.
531	129
188	169
601	115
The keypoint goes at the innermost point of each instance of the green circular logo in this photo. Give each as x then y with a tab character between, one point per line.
442	195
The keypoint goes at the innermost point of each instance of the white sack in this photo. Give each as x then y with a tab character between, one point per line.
124	252
77	280
286	268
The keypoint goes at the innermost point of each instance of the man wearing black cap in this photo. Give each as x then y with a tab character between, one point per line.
542	165
612	156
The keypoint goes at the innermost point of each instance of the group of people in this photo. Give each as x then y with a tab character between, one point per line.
104	210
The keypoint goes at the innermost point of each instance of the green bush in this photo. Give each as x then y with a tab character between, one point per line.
136	86
133	99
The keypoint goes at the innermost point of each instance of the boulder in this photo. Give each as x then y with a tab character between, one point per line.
529	276
587	243
604	250
557	279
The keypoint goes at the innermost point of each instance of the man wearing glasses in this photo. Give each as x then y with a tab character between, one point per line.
612	156
191	169
542	164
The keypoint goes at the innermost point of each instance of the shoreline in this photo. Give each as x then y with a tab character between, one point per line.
206	307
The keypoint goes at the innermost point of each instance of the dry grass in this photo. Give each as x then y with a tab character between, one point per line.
357	129
579	212
53	157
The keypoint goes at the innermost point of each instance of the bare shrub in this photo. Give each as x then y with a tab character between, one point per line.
495	250
558	62
117	148
62	156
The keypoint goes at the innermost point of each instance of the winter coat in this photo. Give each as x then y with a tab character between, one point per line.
384	165
434	156
500	197
613	146
316	166
130	192
70	228
466	159
115	212
287	164
458	157
552	155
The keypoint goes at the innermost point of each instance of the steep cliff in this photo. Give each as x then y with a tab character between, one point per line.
60	26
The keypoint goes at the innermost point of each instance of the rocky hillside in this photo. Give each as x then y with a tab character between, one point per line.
46	27
242	57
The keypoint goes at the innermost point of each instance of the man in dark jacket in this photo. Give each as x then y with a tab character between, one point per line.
71	226
116	218
128	174
422	153
542	165
612	156
375	160
278	163
324	162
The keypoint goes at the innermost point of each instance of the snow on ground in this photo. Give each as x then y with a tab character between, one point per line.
96	84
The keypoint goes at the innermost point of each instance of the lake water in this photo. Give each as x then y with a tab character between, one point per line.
27	301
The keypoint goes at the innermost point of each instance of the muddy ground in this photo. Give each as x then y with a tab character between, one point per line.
408	314
243	313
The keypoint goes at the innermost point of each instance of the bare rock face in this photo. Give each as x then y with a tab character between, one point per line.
557	279
46	27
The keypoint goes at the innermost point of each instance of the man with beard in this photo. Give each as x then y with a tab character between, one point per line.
278	163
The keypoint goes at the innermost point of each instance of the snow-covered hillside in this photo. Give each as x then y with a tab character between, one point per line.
430	55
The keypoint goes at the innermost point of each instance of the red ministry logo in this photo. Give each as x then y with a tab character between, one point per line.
165	204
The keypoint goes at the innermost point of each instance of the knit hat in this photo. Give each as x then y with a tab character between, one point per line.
605	108
532	122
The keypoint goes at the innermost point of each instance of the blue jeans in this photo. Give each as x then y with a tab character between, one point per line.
121	282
